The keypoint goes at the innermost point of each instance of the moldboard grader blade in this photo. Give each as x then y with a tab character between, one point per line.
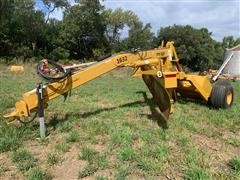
160	95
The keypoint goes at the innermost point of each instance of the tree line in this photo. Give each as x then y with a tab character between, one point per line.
89	30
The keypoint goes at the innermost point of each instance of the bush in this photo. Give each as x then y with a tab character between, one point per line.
73	136
87	154
23	159
196	173
52	158
235	163
63	147
59	53
97	53
87	171
126	154
36	174
9	138
23	51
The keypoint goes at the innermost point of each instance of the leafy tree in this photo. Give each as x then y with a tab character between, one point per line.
27	25
140	37
229	42
83	29
52	46
21	28
5	11
116	20
195	47
52	33
88	30
52	5
59	53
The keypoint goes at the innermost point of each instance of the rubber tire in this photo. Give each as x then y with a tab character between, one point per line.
219	93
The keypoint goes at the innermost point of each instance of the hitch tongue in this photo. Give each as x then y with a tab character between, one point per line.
12	114
20	110
12	117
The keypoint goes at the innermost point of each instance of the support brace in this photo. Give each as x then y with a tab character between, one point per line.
41	111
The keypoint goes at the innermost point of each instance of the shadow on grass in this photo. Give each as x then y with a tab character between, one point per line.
58	119
155	115
155	112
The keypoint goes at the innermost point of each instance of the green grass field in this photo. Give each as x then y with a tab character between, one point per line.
106	130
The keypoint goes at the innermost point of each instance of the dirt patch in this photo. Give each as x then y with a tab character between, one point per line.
75	97
99	147
135	177
133	118
217	131
112	159
219	151
70	166
39	151
226	133
207	142
138	144
8	170
172	167
108	173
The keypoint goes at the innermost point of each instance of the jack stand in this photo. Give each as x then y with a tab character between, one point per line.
41	111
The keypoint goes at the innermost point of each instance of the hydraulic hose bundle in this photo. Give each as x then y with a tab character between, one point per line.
54	73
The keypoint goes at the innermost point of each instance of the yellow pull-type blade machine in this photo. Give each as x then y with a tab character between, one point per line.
159	69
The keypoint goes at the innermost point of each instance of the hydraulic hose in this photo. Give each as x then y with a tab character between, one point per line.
59	68
30	120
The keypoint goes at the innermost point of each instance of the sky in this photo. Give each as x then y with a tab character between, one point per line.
221	17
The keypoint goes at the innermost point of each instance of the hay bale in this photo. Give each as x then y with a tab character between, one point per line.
16	69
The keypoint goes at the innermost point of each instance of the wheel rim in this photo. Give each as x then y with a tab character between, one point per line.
229	97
